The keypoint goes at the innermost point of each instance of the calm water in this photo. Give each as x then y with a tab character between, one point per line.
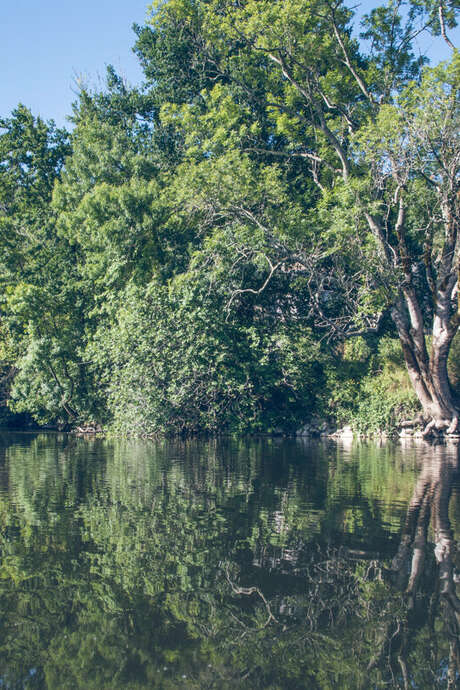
227	564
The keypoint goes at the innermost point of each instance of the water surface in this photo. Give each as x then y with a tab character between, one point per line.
227	564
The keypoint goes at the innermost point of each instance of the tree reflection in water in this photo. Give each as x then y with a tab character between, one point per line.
226	566
430	502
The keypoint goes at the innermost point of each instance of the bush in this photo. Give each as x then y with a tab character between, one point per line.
177	362
369	387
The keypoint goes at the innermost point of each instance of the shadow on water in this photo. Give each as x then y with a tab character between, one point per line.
227	564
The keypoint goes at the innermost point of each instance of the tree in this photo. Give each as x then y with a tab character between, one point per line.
366	145
177	362
41	304
413	151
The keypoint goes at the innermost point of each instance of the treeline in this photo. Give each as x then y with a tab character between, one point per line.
245	240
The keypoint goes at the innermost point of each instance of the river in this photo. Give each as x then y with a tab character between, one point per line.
254	563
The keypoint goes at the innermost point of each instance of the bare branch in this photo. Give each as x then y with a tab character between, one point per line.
443	26
273	268
330	136
348	62
286	154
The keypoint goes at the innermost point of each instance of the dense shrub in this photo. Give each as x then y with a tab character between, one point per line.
176	362
369	388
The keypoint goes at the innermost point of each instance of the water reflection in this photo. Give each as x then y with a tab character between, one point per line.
227	564
429	506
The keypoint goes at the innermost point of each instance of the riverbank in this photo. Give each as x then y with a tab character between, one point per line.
312	430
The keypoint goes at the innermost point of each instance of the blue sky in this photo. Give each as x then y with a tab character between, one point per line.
46	44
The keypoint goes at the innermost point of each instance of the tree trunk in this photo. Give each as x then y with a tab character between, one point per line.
427	371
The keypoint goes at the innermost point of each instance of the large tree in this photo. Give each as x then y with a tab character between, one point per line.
361	138
41	305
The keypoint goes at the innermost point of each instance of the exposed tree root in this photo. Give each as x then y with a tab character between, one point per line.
453	425
436	426
430	429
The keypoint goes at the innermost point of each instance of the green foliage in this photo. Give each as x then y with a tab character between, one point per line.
42	304
369	387
174	264
345	371
454	364
179	362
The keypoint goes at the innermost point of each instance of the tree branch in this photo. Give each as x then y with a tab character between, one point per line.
273	268
347	60
443	26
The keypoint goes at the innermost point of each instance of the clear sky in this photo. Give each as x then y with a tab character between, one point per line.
46	44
